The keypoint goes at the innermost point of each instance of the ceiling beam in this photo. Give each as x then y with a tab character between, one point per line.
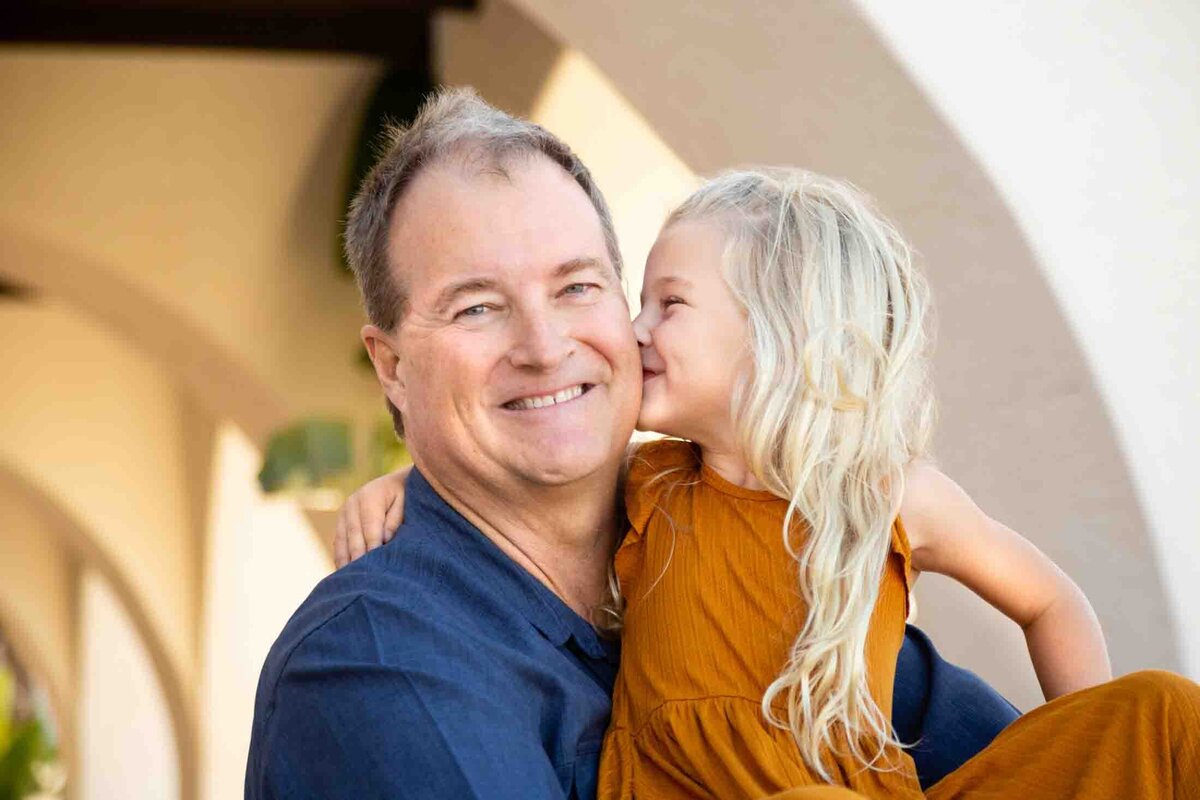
394	29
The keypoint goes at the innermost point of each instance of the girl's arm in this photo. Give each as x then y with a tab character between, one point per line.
950	535
372	514
369	517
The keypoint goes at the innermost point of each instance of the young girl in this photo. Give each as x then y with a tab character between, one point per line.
763	586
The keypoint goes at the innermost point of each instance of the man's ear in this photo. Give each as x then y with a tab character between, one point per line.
389	369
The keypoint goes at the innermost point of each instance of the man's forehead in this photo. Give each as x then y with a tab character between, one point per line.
463	182
453	221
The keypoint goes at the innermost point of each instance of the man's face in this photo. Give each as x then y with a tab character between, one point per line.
516	358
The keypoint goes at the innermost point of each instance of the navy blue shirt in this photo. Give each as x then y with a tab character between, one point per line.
436	667
432	667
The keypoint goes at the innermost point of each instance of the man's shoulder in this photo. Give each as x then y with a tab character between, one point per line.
397	590
399	605
375	656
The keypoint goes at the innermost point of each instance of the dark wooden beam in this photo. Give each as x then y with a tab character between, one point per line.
282	7
394	29
13	291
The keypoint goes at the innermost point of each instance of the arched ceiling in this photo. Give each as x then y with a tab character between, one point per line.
1023	427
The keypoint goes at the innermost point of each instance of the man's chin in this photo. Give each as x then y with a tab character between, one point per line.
567	465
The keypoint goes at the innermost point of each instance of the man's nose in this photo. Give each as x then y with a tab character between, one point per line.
542	341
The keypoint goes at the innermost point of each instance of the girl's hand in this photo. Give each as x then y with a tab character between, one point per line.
369	517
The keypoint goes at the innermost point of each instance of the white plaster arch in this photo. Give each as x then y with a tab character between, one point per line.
37	578
1084	114
80	541
1023	427
95	437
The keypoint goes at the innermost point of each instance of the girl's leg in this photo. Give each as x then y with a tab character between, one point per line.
1137	736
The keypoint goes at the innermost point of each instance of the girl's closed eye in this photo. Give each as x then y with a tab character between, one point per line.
672	300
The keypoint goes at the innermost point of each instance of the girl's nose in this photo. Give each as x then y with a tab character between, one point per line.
641	329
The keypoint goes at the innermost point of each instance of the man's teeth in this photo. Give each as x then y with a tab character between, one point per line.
546	400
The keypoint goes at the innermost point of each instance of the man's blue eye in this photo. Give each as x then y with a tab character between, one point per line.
578	288
473	311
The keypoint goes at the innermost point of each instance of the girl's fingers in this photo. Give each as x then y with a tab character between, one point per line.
354	530
395	515
341	555
372	516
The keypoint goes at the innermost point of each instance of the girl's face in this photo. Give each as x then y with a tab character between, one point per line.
692	333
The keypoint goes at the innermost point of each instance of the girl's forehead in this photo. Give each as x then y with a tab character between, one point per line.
692	249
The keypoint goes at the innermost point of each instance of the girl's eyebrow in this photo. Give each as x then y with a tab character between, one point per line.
666	280
671	280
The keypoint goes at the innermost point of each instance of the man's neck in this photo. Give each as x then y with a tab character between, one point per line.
562	535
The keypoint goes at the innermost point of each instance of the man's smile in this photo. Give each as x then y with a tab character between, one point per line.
548	399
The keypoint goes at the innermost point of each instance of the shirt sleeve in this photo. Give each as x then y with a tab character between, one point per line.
349	719
948	713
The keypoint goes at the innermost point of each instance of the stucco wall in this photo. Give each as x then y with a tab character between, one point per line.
1023	427
1084	115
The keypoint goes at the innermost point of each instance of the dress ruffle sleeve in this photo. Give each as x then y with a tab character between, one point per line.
903	550
650	468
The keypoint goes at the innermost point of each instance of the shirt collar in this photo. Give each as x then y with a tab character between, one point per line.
553	618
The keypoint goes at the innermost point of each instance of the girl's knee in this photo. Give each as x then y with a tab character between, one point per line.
1158	682
1159	688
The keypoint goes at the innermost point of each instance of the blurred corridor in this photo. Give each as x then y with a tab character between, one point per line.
171	295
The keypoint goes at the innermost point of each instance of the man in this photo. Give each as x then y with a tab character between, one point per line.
458	661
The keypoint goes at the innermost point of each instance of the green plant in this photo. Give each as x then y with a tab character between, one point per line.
24	745
310	453
313	460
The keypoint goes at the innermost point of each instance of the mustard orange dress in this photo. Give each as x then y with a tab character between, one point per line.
1135	737
711	610
712	607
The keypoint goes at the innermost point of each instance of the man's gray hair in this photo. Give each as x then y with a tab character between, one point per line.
451	122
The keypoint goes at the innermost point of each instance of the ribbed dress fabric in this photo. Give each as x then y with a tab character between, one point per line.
712	607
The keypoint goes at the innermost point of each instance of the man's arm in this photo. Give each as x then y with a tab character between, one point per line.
345	719
948	713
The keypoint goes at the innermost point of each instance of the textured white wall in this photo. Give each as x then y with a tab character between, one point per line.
262	562
1086	115
127	748
1022	426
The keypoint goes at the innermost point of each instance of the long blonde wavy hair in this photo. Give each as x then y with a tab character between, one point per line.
835	403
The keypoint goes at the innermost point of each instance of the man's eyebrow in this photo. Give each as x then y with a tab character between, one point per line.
459	288
454	290
580	264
